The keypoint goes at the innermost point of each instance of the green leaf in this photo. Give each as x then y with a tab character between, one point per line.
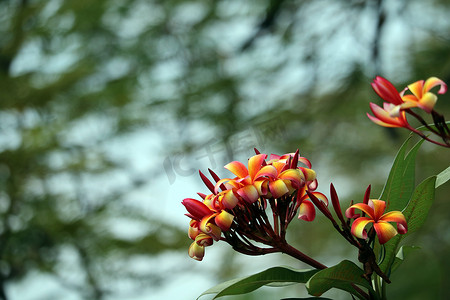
272	276
443	177
400	183
401	255
415	214
341	277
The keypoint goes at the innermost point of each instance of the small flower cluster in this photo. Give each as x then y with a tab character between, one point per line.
237	206
398	104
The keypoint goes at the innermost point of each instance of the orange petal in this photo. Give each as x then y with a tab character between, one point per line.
249	193
307	211
385	231
224	220
293	175
358	227
365	208
267	171
210	229
237	168
254	164
379	206
416	88
399	218
229	200
278	188
427	102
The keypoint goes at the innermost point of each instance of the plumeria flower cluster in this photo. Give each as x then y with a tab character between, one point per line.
236	209
399	104
352	226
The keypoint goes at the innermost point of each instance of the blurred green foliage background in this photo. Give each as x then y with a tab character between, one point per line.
108	108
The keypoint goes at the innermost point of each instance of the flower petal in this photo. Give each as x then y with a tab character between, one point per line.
196	208
379	206
416	88
385	231
254	164
307	211
365	208
432	82
229	200
209	228
399	218
278	188
237	168
267	171
224	220
386	90
293	175
196	251
427	102
358	227
249	193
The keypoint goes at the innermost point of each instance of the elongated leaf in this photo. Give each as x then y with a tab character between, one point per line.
443	177
400	183
401	255
341	277
250	283
415	214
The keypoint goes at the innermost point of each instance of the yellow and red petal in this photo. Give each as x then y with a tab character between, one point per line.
416	88
309	174
209	228
237	168
358	227
399	218
385	231
229	200
193	229
365	208
278	188
249	193
196	251
254	164
294	175
378	206
266	171
305	161
262	185
321	197
383	118
427	102
224	220
307	211
432	82
204	240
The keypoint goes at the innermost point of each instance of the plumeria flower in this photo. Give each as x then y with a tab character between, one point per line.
421	96
374	210
388	116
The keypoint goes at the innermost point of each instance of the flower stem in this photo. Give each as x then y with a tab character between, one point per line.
289	250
